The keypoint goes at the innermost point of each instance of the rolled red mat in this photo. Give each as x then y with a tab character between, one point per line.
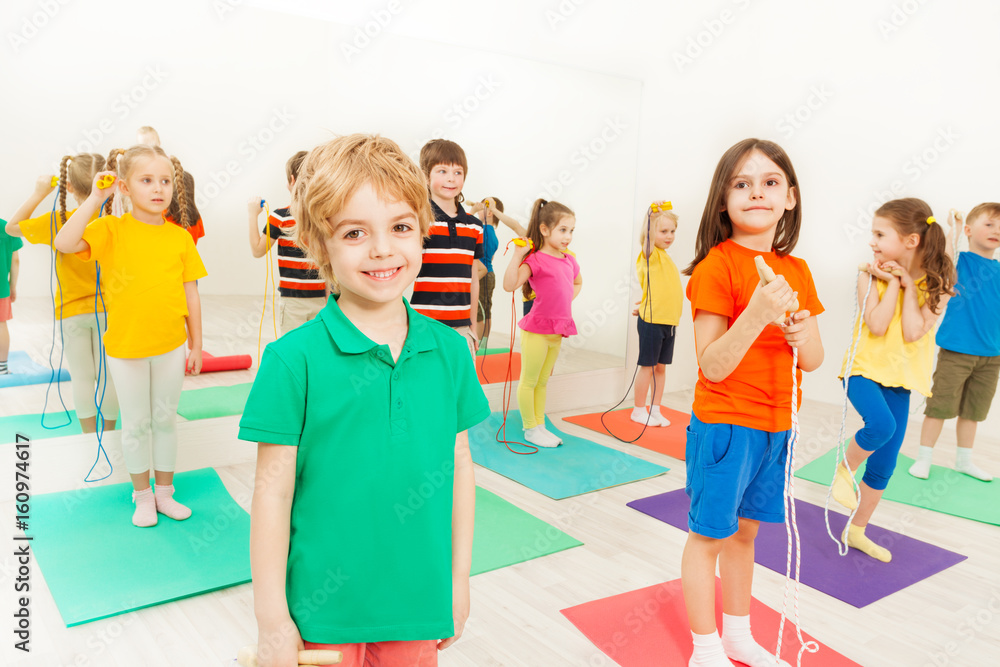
236	362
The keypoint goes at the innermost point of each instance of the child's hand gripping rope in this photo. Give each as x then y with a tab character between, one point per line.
247	657
794	329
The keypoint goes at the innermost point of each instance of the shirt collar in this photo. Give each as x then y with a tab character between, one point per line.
349	339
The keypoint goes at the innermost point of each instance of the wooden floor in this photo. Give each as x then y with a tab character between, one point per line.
952	618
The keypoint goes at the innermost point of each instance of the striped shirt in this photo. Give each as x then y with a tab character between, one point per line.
443	287
299	277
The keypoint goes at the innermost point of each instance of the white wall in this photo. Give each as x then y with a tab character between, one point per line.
876	87
261	85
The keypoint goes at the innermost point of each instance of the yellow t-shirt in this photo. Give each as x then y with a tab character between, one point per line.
665	284
77	282
143	271
889	360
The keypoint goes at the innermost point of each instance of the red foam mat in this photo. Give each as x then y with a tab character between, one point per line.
669	440
492	368
649	627
237	362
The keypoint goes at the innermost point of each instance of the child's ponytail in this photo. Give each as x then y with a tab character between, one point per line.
546	213
113	166
63	171
182	194
914	216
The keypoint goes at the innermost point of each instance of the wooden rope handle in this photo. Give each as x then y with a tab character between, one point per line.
247	657
767	275
864	266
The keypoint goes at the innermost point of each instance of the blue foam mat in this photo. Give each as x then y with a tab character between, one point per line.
25	371
576	467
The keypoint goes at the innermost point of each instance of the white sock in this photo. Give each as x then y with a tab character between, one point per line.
708	651
538	436
661	420
921	468
964	464
739	644
641	416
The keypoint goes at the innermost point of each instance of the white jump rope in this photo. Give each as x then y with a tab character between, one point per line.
791	524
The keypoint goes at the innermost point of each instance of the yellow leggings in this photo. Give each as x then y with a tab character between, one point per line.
538	356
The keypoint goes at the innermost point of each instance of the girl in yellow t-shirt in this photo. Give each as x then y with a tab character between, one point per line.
913	275
148	269
82	321
659	311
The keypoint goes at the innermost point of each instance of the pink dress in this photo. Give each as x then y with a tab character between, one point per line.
552	281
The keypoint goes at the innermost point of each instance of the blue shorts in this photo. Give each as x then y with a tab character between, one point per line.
733	472
656	343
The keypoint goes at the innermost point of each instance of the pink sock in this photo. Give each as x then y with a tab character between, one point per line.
165	503
145	508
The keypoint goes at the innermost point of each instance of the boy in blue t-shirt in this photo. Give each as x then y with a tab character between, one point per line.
965	379
9	245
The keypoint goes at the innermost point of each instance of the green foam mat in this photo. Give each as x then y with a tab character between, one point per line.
946	491
213	401
97	564
507	535
483	351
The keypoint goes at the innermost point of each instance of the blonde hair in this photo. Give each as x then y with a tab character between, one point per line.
148	132
122	161
988	209
914	216
78	171
333	172
654	221
293	165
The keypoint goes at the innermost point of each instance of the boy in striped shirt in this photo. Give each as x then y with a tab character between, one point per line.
303	292
444	289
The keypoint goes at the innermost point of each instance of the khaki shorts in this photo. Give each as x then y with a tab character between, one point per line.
295	311
964	385
470	338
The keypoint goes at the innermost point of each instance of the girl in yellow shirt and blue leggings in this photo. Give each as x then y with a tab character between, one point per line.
894	352
149	269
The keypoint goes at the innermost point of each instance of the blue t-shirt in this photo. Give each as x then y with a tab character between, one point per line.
490	246
971	323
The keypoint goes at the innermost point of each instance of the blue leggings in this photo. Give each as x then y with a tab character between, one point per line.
884	410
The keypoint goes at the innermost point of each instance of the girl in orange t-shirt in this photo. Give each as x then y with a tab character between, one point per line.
81	318
149	271
736	443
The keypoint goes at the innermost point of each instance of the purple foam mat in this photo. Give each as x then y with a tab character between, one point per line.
856	579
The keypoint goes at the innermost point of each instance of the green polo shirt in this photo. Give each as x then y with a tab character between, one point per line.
11	244
369	557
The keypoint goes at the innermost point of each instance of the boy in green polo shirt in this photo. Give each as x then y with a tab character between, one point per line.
363	506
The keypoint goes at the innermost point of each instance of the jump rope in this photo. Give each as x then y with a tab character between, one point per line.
791	523
102	371
268	278
653	208
858	319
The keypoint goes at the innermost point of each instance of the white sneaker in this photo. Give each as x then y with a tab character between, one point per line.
539	437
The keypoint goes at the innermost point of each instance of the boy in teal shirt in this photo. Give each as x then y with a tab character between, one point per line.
363	507
9	264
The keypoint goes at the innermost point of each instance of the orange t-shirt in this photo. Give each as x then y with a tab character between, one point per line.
196	230
758	393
